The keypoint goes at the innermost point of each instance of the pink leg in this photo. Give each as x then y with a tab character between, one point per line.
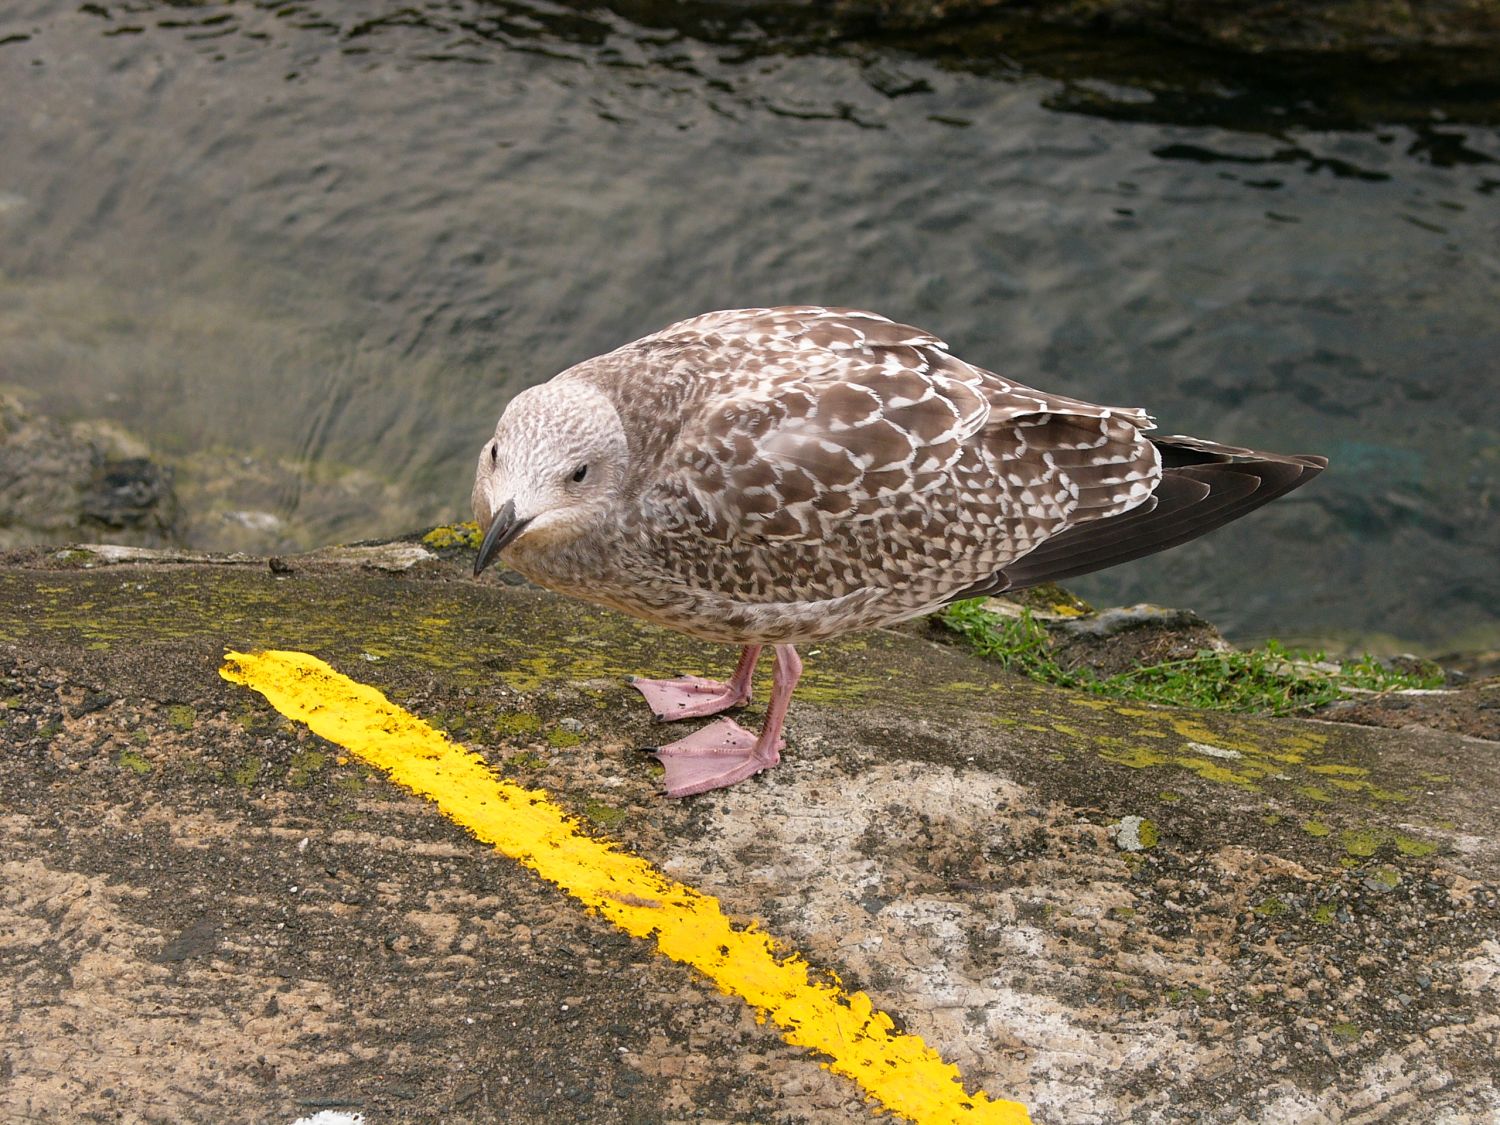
692	697
724	752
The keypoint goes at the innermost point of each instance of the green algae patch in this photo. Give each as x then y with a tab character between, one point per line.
1323	914
247	773
560	739
1345	1032
132	761
1412	846
1387	877
526	760
182	717
1316	828
305	764
606	816
351	783
518	723
1272	907
1366	842
1338	769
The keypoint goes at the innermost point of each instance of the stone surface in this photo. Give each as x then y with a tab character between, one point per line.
1105	911
59	484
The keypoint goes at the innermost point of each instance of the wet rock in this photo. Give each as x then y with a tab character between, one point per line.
1110	640
1125	637
85	482
131	494
1471	709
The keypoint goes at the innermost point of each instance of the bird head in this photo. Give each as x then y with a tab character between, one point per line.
552	472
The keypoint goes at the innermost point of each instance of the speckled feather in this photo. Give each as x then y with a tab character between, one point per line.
796	473
772	476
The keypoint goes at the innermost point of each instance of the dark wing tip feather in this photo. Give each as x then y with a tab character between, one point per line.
1204	486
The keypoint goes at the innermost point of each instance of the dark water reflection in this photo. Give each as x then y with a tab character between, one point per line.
308	253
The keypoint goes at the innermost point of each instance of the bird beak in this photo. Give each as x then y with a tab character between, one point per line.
501	534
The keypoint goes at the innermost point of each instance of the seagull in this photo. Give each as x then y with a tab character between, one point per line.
776	476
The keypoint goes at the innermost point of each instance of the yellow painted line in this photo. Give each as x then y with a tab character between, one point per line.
900	1071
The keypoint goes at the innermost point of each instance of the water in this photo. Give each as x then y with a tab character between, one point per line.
308	255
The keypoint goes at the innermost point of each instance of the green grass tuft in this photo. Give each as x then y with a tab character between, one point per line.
1271	680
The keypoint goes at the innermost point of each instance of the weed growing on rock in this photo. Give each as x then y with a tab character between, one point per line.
1270	680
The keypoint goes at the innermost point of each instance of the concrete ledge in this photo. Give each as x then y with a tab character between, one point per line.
1102	911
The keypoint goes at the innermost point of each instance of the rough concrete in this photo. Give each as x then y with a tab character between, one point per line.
1108	912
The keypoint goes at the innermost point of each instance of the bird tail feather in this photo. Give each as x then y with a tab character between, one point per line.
1204	486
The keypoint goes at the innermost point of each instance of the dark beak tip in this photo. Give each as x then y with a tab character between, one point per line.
503	531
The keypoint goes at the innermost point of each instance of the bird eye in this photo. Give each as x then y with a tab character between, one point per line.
494	453
580	472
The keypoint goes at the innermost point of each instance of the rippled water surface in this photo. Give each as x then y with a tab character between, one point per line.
307	255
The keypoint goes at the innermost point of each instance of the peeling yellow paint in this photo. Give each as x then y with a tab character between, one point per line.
900	1071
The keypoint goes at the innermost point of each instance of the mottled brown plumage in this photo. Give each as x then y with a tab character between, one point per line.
771	476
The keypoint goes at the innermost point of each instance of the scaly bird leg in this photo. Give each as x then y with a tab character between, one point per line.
692	697
724	752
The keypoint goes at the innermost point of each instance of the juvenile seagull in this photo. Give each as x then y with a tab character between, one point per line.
776	476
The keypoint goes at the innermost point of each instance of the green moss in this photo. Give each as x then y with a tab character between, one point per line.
247	773
1412	846
1345	1032
561	739
305	763
526	760
521	723
1386	877
1323	914
1271	680
1316	828
606	816
140	736
181	716
1271	907
130	760
1361	841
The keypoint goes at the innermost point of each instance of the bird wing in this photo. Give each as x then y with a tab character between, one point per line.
813	419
